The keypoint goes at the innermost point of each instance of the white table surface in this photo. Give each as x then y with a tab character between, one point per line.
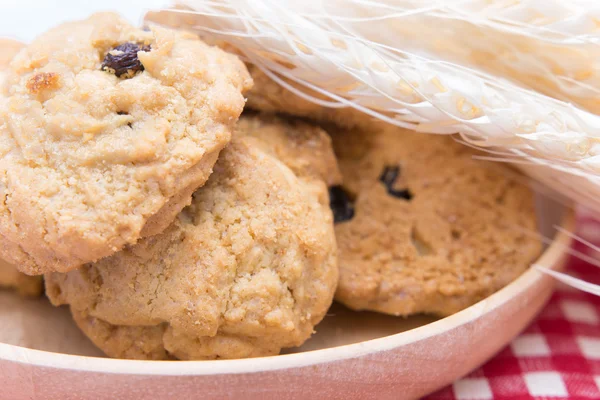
25	19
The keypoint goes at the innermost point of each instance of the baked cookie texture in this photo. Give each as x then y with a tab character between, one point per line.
248	268
425	228
105	132
9	276
303	147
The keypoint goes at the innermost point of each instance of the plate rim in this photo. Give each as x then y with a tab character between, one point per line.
40	358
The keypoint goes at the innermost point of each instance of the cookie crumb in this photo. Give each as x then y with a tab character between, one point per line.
42	81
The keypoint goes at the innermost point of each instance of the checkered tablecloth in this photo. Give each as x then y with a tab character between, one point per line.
557	356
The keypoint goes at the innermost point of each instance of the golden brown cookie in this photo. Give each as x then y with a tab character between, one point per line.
422	227
9	276
248	268
105	132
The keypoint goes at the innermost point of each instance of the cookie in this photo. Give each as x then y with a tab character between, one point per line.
105	132
249	268
422	227
9	276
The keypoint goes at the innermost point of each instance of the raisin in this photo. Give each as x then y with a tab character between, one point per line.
388	177
341	204
123	60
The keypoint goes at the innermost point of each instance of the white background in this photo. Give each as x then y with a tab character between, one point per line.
25	19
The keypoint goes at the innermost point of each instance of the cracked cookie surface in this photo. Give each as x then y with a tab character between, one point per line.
432	230
248	268
91	161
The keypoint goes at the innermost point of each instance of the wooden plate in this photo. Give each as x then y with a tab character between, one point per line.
353	355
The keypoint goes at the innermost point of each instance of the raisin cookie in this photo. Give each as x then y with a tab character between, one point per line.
422	227
106	130
9	276
248	268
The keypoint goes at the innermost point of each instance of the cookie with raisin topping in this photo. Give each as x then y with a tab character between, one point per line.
106	130
432	230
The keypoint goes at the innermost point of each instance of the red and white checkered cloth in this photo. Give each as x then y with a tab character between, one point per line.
557	356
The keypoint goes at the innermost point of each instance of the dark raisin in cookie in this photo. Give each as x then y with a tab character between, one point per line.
108	160
123	60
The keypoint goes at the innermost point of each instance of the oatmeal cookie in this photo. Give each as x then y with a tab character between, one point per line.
422	227
105	132
248	268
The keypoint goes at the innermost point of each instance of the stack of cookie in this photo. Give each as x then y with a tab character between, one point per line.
174	229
